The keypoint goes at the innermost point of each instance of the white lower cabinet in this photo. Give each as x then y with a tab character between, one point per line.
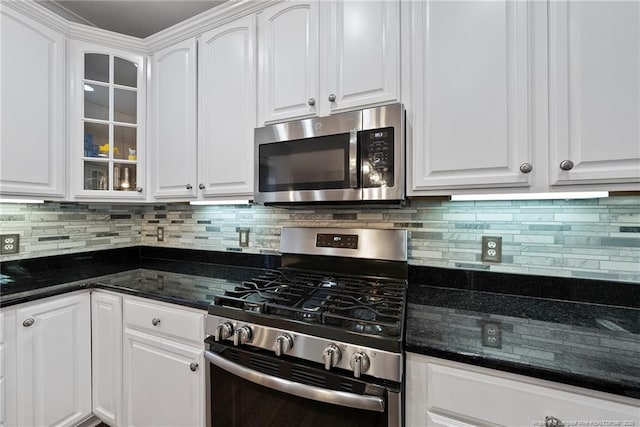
46	354
447	394
106	346
163	365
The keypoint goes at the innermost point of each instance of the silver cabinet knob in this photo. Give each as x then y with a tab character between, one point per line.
526	167
223	331
359	363
201	186
189	187
193	366
552	422
332	97
283	344
311	101
242	336
331	356
155	321
139	189
566	165
28	322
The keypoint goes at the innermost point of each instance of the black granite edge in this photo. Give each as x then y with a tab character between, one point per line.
627	389
210	257
623	294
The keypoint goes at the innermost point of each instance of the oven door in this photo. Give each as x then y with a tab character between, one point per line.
312	160
253	388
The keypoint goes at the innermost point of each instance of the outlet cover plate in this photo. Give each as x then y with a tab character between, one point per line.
492	248
10	244
491	334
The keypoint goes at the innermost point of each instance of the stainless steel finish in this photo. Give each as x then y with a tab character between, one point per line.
193	366
359	363
526	167
394	405
189	187
331	356
311	101
353	159
384	364
552	422
566	165
373	243
28	322
242	336
389	115
223	331
332	97
368	403
283	344
201	186
155	321
353	121
139	189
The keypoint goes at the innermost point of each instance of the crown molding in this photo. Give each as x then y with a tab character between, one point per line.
38	13
205	21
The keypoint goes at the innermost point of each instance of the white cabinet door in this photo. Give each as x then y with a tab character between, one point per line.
162	387
227	111
172	142
107	123
288	61
471	97
106	345
594	89
443	393
361	52
54	361
32	148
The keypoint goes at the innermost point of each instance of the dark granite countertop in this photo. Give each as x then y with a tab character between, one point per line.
574	342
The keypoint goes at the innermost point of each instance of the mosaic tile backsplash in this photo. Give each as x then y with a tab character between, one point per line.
595	238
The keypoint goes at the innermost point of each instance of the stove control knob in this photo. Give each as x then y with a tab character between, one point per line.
242	336
359	363
283	344
331	356
223	331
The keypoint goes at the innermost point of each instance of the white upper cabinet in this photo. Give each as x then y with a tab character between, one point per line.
471	126
359	52
32	147
227	110
594	89
106	127
172	135
319	57
288	64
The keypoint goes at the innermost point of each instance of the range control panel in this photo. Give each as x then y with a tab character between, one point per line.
346	241
377	157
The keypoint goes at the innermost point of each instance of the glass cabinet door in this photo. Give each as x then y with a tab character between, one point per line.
110	123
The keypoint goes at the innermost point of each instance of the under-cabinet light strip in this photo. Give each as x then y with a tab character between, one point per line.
220	202
3	200
531	196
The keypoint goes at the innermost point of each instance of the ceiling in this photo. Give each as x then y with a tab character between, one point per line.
137	18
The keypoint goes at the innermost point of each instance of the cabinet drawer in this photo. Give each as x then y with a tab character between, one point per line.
165	320
476	398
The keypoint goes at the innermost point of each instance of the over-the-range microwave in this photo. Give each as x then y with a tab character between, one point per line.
356	156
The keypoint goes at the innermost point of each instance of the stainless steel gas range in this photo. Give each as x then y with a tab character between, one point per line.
317	342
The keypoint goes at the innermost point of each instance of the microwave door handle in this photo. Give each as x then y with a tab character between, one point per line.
353	159
351	400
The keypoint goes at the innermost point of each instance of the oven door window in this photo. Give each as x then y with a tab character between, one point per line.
320	163
236	402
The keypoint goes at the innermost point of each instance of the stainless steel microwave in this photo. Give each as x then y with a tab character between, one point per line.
347	157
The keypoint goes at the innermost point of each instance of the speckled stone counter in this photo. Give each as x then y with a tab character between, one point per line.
581	343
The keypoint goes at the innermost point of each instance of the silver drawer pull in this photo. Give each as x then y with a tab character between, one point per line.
552	422
28	322
193	366
155	321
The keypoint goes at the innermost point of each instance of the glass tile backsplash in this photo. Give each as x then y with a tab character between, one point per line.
594	238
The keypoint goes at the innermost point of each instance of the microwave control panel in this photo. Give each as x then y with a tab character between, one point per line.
377	158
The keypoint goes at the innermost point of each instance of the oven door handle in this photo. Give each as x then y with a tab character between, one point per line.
368	403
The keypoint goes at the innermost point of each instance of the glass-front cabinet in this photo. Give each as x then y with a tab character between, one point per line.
107	127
